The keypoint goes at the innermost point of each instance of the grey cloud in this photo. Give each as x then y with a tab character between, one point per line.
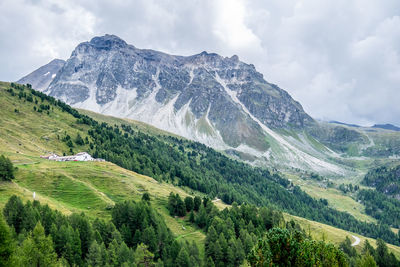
340	59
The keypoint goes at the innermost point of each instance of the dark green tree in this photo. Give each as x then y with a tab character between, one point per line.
149	238
183	259
146	197
6	244
196	203
189	203
37	249
346	247
79	140
94	257
13	211
6	169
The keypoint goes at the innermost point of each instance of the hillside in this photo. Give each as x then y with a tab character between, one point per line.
72	186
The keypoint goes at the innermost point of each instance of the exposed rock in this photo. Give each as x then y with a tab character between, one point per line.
42	77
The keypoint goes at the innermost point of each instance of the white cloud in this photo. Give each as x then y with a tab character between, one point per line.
340	59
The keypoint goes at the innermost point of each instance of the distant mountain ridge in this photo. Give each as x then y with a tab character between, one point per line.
387	127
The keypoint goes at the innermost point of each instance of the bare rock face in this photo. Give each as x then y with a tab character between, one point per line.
42	77
216	100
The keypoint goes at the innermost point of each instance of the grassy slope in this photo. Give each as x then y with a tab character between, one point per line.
70	186
87	186
336	198
321	231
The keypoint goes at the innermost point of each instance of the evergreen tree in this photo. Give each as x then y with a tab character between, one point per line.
346	247
6	244
146	197
210	262
6	169
180	206
112	253
210	240
368	249
149	238
125	255
189	203
78	140
37	249
382	253
191	217
13	213
143	257
94	257
183	258
81	222
366	261
218	254
196	203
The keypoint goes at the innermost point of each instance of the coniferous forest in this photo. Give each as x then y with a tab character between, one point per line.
35	235
252	230
191	164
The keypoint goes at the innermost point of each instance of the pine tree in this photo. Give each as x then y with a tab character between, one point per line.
346	247
146	197
6	169
210	240
218	254
37	249
366	261
94	257
368	248
125	255
183	258
191	217
196	203
78	140
143	257
229	257
6	244
239	252
382	253
189	203
180	206
149	238
112	253
13	213
210	262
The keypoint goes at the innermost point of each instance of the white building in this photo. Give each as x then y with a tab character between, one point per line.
81	156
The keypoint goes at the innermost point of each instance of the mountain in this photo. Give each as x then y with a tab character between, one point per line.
346	124
219	101
387	127
42	77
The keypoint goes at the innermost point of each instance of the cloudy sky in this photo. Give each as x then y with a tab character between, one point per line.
339	59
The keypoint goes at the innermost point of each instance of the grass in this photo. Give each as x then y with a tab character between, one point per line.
336	199
329	233
92	187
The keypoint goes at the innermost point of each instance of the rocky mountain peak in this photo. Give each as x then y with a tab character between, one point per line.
220	101
108	42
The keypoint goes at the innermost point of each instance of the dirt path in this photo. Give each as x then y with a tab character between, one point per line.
184	235
356	242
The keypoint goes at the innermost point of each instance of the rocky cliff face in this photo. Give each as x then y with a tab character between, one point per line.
205	97
42	77
219	101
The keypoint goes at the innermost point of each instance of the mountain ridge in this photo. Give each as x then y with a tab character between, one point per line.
219	101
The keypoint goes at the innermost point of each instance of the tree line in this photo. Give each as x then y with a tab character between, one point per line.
32	234
191	164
